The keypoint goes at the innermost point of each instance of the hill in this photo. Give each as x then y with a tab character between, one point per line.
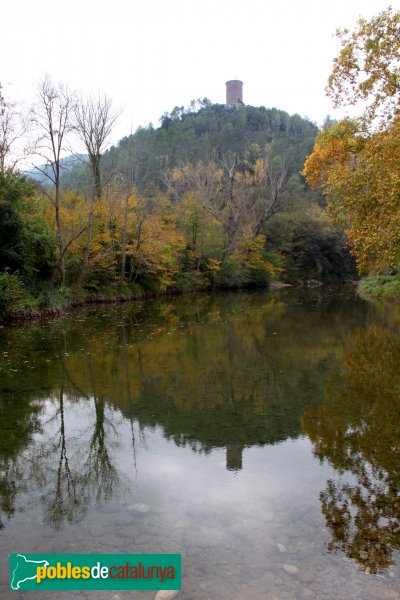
212	198
202	132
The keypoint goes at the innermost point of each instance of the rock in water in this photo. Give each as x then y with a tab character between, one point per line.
291	569
166	594
139	507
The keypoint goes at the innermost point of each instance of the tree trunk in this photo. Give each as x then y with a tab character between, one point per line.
59	232
85	266
123	262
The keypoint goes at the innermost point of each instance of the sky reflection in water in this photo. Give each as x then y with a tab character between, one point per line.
260	431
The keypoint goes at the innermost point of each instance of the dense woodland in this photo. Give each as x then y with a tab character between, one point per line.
211	198
215	197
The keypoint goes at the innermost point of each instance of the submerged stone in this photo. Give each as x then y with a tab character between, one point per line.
291	569
140	507
166	594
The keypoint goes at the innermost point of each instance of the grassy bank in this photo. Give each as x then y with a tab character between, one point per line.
56	301
381	286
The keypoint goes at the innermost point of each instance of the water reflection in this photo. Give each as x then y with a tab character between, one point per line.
81	468
357	429
238	373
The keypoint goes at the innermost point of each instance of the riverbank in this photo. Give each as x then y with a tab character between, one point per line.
382	287
59	301
67	300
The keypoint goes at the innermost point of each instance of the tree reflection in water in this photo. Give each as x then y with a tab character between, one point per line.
65	502
85	471
358	431
229	371
19	418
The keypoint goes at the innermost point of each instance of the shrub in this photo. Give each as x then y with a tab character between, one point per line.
11	292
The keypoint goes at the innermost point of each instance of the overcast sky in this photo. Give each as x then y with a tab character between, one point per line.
150	56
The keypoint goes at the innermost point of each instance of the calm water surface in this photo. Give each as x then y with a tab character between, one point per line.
257	434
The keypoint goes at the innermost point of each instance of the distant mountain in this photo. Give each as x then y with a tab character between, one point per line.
69	163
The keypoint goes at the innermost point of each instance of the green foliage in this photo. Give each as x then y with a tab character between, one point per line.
189	281
10	237
189	148
11	292
38	245
27	243
186	207
232	274
385	286
312	248
13	190
55	297
196	135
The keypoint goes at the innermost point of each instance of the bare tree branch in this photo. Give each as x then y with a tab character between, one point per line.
13	127
94	120
52	119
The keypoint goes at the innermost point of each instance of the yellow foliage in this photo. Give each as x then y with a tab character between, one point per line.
360	177
156	247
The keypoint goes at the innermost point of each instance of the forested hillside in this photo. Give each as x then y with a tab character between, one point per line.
212	198
204	132
300	240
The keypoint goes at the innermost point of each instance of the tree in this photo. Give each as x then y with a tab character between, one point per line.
53	119
240	194
13	127
356	163
360	178
127	180
368	67
94	120
155	248
311	246
27	244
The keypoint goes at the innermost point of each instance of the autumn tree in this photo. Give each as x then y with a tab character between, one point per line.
194	187
368	67
237	192
360	178
127	181
240	194
154	250
94	120
357	162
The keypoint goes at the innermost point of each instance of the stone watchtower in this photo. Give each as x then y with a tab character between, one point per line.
234	93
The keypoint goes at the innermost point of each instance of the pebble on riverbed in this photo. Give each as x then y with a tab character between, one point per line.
166	594
291	569
139	507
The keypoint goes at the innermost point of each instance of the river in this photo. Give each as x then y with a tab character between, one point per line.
255	433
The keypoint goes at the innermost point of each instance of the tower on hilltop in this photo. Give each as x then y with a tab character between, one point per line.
234	93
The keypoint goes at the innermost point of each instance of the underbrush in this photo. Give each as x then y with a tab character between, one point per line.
384	286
